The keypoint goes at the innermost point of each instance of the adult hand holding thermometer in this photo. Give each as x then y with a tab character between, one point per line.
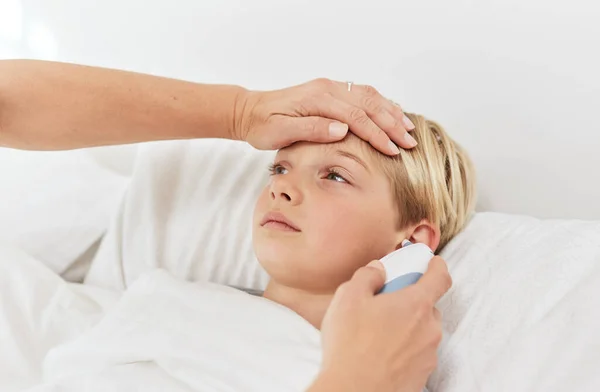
396	334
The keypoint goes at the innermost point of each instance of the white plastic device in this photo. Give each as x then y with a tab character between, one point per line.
405	266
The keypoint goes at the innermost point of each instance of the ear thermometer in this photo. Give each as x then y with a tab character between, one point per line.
405	266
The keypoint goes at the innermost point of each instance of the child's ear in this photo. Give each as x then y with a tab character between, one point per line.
425	233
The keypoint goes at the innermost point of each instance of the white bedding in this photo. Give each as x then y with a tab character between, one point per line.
524	311
39	311
161	334
56	205
523	315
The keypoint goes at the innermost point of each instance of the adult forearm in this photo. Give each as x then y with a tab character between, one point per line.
50	106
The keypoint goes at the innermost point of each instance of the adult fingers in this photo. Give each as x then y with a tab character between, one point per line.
368	279
397	111
436	281
386	114
310	129
359	122
369	115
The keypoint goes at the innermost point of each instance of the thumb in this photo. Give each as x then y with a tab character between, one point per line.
316	129
369	279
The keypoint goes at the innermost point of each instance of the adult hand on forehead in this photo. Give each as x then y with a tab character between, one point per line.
321	110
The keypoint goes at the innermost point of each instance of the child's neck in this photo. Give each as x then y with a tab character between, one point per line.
310	306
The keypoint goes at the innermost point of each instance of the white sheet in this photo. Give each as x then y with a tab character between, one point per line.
165	333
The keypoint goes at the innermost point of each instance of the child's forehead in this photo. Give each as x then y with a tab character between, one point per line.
351	143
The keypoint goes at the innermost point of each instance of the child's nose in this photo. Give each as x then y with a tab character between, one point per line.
282	195
285	191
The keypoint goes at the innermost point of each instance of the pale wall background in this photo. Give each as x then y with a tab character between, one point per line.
517	82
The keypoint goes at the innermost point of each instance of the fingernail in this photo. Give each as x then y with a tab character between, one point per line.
409	140
376	264
338	130
407	123
393	148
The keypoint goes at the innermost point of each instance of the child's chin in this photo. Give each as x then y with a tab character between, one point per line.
273	253
276	256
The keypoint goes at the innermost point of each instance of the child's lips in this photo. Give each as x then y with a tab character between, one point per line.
279	226
278	221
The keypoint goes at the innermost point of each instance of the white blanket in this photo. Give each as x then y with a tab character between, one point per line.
161	334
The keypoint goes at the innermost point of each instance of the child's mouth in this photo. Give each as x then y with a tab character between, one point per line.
279	226
278	221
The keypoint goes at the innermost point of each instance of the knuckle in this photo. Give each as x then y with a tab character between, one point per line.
312	130
358	116
398	112
397	124
373	104
304	105
379	134
370	90
323	83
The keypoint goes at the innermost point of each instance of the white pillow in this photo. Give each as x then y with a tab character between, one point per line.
55	205
524	310
188	210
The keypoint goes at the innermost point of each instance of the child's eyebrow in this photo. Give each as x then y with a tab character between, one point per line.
354	158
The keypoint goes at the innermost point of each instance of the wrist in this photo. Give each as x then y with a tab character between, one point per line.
210	111
238	116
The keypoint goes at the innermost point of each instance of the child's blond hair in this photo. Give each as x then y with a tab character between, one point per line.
433	181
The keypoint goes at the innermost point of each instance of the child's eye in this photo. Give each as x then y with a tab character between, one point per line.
276	169
335	176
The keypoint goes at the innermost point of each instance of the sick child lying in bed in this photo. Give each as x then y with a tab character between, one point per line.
328	210
331	208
